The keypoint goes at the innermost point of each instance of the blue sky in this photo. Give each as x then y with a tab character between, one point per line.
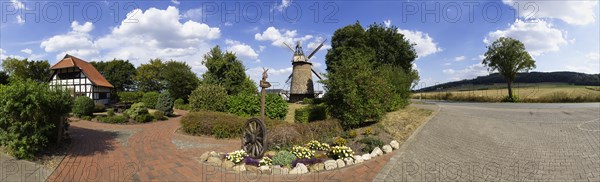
450	37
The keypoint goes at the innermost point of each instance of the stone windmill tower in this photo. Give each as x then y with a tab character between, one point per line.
301	78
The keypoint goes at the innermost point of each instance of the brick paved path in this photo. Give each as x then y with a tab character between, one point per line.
154	152
506	142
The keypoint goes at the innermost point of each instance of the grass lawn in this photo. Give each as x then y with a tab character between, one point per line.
402	123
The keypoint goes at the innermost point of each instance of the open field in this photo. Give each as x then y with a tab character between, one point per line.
525	92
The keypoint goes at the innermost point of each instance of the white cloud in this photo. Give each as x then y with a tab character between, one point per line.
538	37
261	48
478	58
143	35
3	55
447	64
78	42
387	23
175	2
593	56
278	37
469	72
425	45
590	64
256	73
18	5
242	50
228	24
26	51
284	4
459	58
571	12
193	13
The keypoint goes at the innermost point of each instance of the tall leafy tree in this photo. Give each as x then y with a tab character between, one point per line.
3	78
390	47
148	76
119	73
225	69
179	79
24	69
509	57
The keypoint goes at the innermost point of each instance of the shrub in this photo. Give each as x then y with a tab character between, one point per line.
339	141
84	106
29	114
303	152
87	118
275	106
158	115
341	152
307	101
353	134
286	134
310	113
368	131
236	156
208	97
110	112
514	98
99	107
150	99
130	97
136	110
113	119
244	105
212	123
143	118
370	143
165	104
284	158
179	102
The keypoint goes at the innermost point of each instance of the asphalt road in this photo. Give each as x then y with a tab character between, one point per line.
502	142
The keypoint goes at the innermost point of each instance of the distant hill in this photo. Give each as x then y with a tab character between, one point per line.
565	77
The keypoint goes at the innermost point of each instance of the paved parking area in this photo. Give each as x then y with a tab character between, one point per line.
502	142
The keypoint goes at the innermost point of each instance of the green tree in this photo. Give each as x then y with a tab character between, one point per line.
31	113
390	47
509	57
3	78
165	103
119	73
179	79
84	106
24	69
148	76
226	70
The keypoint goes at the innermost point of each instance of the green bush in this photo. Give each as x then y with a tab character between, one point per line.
113	119
244	105
208	97
282	135
29	114
284	158
307	101
137	109
150	99
165	104
143	118
180	104
130	97
311	113
158	115
99	107
84	106
110	112
275	106
221	125
370	143
249	105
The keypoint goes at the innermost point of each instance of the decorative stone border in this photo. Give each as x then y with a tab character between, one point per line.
218	159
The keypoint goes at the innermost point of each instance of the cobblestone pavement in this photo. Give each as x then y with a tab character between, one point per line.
502	142
155	152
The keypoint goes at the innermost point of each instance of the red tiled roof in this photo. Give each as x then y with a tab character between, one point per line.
71	61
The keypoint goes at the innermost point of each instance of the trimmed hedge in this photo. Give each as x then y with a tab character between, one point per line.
113	119
29	115
220	125
84	106
150	99
310	113
249	105
130	97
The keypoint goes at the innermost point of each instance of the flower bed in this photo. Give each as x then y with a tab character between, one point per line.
313	157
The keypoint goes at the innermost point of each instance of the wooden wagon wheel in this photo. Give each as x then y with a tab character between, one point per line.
254	140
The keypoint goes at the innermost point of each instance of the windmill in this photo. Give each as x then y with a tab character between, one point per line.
301	85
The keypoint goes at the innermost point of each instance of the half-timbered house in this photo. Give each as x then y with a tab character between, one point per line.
81	79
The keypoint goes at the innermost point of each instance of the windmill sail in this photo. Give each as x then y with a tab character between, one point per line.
317	49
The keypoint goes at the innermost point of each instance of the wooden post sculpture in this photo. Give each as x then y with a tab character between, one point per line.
254	140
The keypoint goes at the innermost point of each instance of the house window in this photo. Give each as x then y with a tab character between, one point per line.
102	95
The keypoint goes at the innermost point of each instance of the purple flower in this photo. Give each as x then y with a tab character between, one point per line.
250	161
